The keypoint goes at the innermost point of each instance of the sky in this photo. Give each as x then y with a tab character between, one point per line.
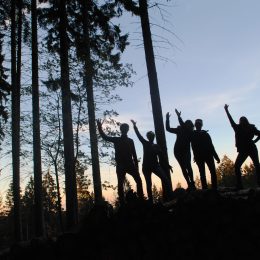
211	58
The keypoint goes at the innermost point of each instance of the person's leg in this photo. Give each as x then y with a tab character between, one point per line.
148	180
135	174
203	179
165	180
186	160
212	169
181	160
254	157
241	157
184	171
120	183
190	174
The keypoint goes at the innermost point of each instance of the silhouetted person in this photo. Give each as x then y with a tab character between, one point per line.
153	162
182	146
126	159
204	153
244	134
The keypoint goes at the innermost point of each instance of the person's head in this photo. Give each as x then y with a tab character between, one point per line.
150	136
124	128
243	121
198	124
189	125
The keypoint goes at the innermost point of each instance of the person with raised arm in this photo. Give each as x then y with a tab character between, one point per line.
244	134
182	147
153	162
126	159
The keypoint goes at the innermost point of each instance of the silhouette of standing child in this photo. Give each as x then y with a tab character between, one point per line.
153	162
126	159
204	153
182	146
244	134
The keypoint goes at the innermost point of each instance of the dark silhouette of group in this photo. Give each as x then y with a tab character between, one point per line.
187	139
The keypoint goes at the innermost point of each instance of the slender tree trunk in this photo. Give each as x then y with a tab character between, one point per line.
55	162
15	128
91	107
70	175
59	197
39	222
153	82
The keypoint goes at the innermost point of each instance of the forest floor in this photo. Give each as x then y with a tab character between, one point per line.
223	224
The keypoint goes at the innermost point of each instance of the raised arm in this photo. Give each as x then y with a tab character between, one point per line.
167	125
101	132
141	139
232	122
179	117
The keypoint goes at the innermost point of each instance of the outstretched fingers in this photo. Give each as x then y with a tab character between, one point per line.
178	112
133	122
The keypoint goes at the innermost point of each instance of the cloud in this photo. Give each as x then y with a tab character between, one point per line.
210	102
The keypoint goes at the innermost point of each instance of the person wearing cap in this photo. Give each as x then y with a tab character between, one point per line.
153	162
182	151
204	153
126	159
244	134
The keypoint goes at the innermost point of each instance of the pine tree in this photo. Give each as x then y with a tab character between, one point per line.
1	206
249	176
9	200
27	210
4	87
157	194
39	227
61	46
85	199
226	172
49	194
15	123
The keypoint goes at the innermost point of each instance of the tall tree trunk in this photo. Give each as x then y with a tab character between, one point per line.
59	197
39	222
70	175
55	162
91	106
153	82
15	126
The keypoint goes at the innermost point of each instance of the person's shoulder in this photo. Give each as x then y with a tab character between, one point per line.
200	132
205	132
155	146
130	139
253	128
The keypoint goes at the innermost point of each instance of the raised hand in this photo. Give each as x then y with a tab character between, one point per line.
133	122
99	122
168	115
178	112
226	107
